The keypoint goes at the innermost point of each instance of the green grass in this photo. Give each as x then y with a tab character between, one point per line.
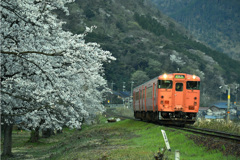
126	139
22	149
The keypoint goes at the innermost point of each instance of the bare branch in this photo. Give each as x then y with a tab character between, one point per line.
36	52
18	97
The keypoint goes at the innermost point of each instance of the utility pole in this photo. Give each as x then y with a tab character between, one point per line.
220	93
112	90
237	88
229	97
123	93
131	96
132	89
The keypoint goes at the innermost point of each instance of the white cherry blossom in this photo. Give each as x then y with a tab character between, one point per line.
49	77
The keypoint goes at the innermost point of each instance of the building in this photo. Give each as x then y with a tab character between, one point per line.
207	117
219	111
238	112
117	99
202	112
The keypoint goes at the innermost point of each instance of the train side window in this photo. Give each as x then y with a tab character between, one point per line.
149	92
165	84
137	95
179	87
143	93
155	92
193	85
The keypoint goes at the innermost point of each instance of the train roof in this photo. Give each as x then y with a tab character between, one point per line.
185	76
171	76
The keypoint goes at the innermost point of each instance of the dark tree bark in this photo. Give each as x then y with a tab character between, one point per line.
47	133
7	143
59	131
34	135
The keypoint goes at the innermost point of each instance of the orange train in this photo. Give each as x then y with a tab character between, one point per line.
168	99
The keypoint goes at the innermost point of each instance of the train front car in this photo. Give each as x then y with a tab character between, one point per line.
168	99
178	98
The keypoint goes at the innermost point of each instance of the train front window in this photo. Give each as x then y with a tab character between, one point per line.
179	87
193	85
165	84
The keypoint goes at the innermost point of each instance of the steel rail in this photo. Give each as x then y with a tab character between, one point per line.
212	133
215	131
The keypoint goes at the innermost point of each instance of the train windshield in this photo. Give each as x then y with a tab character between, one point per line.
193	85
165	84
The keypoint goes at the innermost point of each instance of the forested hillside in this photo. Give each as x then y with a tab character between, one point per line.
215	22
147	43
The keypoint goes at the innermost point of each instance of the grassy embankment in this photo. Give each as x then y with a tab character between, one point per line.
219	125
231	127
126	139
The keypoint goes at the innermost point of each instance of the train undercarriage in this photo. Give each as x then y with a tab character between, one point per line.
167	118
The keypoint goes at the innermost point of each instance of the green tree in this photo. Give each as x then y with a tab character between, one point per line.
154	68
139	77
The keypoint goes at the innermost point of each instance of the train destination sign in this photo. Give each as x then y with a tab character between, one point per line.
179	76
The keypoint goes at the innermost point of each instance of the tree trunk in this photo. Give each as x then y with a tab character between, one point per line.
59	131
46	133
34	135
7	143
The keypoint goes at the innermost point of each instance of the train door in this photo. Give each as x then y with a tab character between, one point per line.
156	97
153	97
178	94
139	99
134	100
143	99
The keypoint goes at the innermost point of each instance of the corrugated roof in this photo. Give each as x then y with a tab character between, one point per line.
213	117
122	94
203	108
222	105
209	117
125	94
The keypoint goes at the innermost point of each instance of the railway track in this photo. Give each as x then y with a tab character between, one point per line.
212	133
201	131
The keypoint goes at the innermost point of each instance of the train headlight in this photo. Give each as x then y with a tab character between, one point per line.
194	77
165	76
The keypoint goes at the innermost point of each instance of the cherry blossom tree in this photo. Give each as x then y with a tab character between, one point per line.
49	77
